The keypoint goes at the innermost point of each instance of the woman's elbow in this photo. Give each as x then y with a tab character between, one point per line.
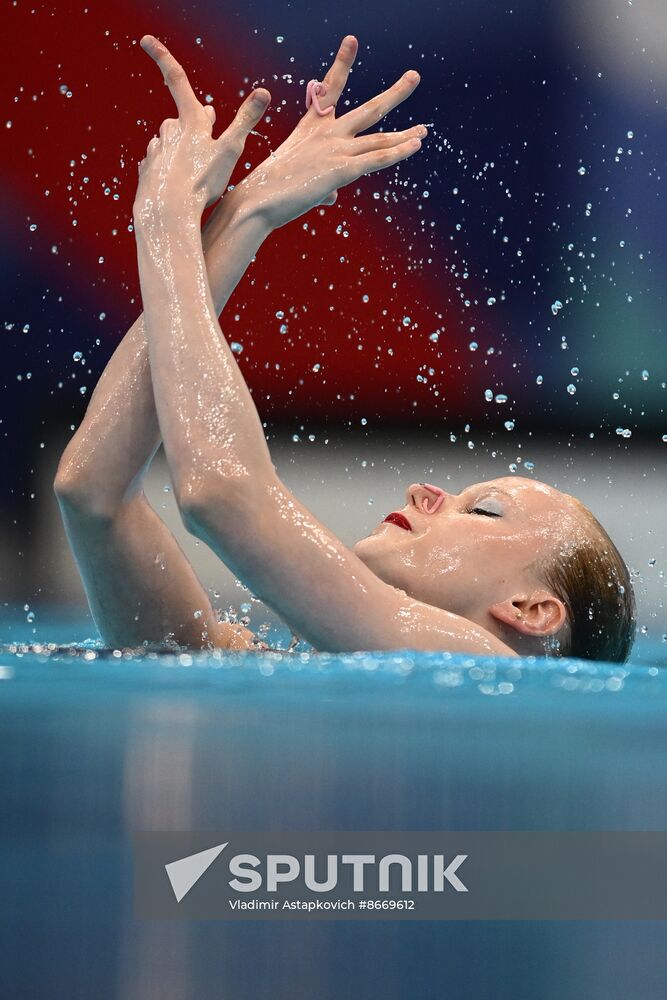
69	485
78	495
208	503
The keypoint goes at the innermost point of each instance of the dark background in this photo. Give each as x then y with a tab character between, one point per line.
529	190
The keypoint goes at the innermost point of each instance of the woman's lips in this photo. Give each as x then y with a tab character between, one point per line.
398	519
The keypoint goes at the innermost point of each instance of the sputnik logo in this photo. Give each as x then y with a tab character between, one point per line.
281	868
185	872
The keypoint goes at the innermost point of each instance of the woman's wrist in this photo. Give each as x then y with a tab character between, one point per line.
237	212
153	222
230	240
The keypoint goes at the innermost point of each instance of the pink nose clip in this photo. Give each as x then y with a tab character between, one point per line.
437	503
315	90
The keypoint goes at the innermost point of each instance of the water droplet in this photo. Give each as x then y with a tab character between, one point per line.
571	389
501	397
236	347
77	356
488	395
406	321
491	301
509	425
581	171
280	39
540	379
574	371
645	375
556	307
473	345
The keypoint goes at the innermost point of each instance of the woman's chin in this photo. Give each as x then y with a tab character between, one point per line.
361	547
375	554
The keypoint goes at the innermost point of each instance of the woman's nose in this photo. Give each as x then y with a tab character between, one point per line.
426	497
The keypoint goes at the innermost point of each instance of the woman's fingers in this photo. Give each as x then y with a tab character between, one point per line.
248	115
385	140
175	77
373	111
368	163
339	71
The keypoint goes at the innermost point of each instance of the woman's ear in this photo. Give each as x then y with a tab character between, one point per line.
538	614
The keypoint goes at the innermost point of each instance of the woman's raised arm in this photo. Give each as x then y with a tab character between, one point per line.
140	585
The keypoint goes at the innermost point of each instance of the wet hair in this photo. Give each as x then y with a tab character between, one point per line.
593	582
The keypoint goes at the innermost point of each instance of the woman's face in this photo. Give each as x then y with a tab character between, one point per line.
465	552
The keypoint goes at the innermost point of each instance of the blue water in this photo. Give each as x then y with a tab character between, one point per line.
94	747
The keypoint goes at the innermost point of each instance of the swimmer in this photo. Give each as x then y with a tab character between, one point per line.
509	567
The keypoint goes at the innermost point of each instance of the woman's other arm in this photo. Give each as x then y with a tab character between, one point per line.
139	583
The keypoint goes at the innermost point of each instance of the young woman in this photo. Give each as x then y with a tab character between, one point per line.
508	567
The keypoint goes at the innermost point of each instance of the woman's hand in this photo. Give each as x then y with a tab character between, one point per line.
324	153
185	169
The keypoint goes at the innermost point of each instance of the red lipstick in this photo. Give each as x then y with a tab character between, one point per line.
400	520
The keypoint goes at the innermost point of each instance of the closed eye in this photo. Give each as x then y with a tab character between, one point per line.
481	510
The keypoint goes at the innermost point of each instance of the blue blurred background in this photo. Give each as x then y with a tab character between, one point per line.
521	254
